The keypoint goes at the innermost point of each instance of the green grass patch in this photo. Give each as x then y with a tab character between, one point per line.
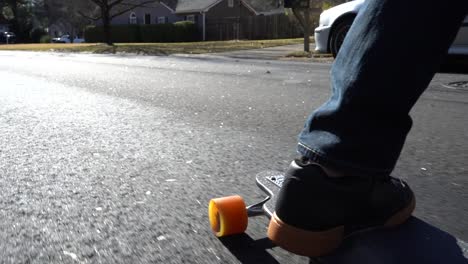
156	48
300	54
322	55
310	54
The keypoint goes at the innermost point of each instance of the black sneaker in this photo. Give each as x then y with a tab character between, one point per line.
315	212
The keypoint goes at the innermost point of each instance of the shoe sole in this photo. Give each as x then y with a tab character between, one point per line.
318	243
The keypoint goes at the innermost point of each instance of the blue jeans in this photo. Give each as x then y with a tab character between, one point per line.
388	58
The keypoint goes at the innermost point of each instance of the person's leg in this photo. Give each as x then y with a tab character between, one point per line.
388	59
390	55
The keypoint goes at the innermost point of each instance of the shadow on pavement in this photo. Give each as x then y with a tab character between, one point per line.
249	251
414	242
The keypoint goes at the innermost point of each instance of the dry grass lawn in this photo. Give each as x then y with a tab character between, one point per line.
155	48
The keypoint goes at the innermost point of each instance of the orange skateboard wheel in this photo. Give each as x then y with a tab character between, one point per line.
228	215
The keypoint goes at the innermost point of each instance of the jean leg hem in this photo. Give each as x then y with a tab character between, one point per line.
327	160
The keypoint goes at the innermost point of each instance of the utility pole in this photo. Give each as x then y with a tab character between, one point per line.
238	19
301	9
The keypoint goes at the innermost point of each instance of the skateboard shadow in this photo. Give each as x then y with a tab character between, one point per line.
249	251
413	242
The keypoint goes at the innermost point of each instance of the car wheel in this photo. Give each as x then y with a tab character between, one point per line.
338	35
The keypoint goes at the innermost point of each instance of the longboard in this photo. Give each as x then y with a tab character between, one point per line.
412	242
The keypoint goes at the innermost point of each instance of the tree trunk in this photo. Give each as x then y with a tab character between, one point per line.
106	25
14	22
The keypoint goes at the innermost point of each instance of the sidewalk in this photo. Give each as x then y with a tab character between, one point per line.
273	53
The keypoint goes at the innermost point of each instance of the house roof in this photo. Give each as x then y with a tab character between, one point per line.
265	7
191	6
172	4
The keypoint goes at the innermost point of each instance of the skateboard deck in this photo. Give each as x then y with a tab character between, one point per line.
412	242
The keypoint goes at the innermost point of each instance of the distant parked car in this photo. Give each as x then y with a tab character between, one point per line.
336	21
7	37
66	39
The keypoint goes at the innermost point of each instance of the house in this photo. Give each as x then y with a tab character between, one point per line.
152	13
217	19
214	16
232	19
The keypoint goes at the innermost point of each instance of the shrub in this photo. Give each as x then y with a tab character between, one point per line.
178	32
93	34
36	34
125	33
45	39
187	31
157	33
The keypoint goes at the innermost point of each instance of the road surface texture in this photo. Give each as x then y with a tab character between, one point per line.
113	159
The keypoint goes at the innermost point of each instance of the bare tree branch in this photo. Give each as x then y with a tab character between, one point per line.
99	3
139	4
116	2
130	7
112	8
88	17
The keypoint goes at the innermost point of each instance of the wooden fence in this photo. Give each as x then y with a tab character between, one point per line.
252	27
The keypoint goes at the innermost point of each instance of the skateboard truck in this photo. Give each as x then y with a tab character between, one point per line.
229	215
257	209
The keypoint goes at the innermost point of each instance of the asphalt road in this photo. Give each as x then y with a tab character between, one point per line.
113	159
